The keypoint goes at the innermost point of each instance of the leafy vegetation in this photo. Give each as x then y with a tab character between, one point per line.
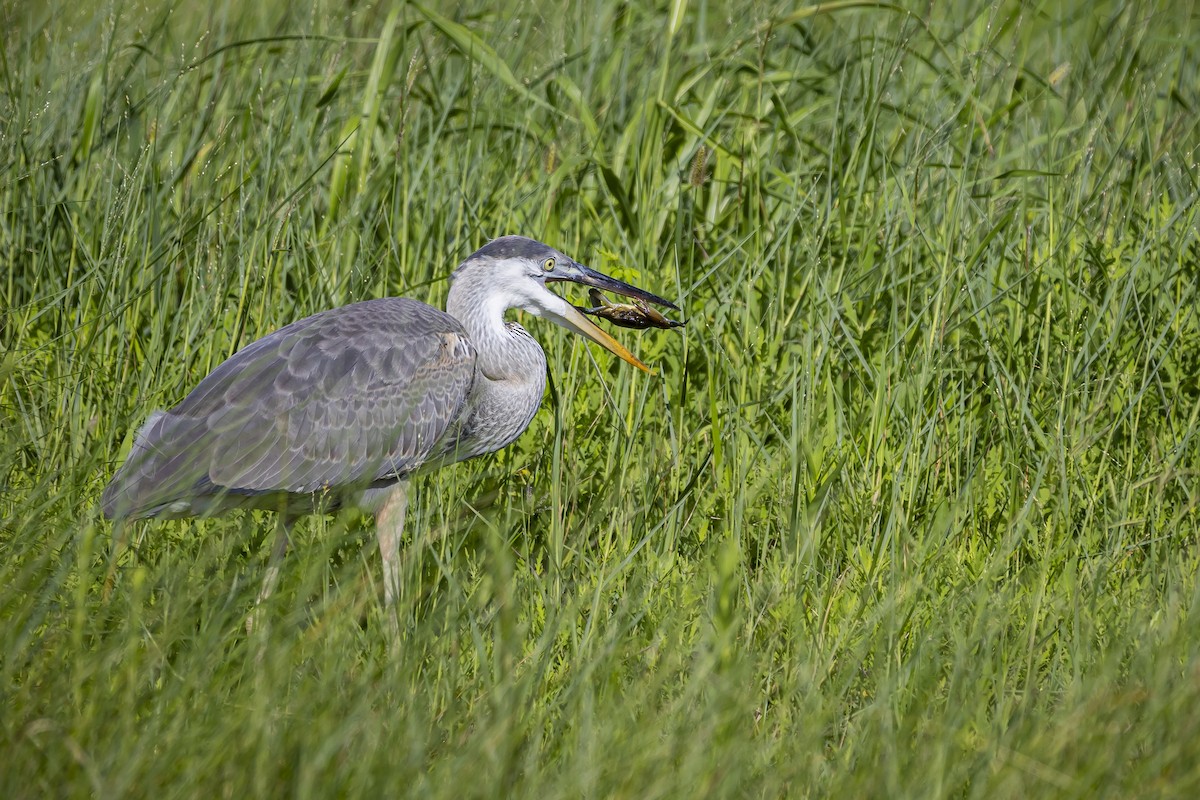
910	508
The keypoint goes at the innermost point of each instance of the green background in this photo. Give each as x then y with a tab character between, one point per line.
909	509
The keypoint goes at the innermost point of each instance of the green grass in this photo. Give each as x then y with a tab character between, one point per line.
910	508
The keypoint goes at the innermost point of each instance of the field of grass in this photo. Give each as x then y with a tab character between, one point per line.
910	509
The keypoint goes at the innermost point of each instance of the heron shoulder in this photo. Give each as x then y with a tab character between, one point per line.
383	339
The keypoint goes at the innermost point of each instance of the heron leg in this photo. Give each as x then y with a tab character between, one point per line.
278	551
389	527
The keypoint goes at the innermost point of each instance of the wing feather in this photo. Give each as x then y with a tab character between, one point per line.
339	399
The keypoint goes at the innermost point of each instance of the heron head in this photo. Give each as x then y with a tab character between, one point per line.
514	271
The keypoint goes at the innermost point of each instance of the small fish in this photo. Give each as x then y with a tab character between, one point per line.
628	315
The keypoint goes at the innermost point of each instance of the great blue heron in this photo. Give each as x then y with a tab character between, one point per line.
341	408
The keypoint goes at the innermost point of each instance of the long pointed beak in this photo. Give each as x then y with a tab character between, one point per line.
571	319
578	273
574	321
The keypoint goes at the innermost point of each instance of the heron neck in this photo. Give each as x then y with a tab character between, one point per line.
500	353
480	312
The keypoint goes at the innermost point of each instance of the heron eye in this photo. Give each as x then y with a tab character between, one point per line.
548	264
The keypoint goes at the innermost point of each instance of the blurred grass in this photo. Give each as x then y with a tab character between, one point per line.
909	510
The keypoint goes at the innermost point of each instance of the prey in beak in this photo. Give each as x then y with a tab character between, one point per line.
636	315
573	318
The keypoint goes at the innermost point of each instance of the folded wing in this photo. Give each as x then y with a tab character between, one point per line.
334	401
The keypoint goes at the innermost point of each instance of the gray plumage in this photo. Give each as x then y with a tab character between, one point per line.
338	402
341	408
